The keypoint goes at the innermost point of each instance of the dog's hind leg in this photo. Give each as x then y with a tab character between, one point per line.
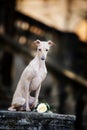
31	102
16	104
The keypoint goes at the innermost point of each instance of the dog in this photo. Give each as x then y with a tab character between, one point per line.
31	79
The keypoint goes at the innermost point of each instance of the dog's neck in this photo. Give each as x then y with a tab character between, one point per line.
39	62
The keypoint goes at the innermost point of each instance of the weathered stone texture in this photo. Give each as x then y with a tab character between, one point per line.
34	121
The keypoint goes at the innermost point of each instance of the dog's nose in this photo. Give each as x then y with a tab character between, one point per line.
42	58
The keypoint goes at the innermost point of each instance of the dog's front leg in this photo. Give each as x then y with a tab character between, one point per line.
37	95
27	84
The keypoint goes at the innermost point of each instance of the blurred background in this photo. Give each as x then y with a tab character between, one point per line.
65	23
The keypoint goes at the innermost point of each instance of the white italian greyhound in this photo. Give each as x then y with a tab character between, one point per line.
31	79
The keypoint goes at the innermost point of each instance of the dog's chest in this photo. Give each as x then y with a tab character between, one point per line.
39	76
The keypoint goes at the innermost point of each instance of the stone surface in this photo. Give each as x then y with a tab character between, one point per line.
35	121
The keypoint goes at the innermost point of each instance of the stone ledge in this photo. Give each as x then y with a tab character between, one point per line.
35	121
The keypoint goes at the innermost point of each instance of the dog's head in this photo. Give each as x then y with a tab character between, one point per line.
43	48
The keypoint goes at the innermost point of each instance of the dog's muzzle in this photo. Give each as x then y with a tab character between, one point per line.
42	58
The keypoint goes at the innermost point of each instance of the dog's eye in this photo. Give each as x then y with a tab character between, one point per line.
39	49
46	49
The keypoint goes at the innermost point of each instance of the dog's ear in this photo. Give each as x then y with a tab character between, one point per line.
37	42
51	43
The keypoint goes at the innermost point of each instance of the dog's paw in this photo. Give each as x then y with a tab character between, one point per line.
11	109
28	109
